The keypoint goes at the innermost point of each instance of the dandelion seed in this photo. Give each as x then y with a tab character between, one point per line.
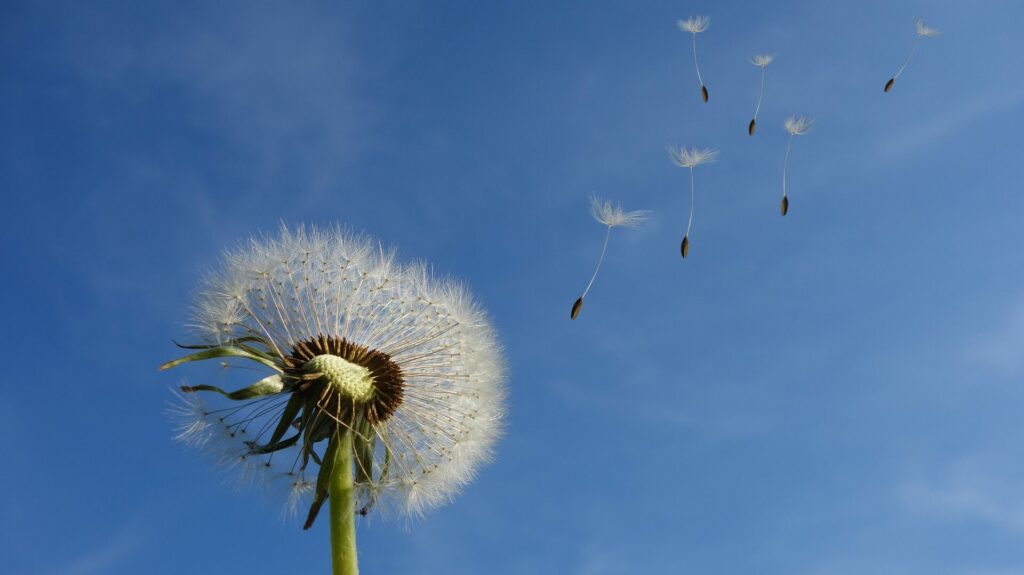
922	31
796	126
384	382
690	158
761	61
695	25
611	217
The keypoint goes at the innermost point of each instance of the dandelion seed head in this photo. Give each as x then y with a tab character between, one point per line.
694	24
613	216
685	157
762	60
405	361
925	31
798	125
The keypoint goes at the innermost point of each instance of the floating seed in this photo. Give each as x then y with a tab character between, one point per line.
785	205
704	92
576	307
752	126
684	248
888	85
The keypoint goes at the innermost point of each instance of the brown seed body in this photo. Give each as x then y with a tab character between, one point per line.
752	126
704	92
785	205
684	248
888	85
576	307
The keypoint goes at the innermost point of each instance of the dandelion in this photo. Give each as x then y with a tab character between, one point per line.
761	61
690	158
796	126
695	25
611	217
923	31
384	385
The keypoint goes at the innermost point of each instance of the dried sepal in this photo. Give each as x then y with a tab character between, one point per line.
222	351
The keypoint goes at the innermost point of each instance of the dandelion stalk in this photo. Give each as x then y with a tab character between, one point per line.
690	158
796	126
922	31
611	217
761	61
342	502
695	25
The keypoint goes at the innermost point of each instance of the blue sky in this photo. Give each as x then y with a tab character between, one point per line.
837	392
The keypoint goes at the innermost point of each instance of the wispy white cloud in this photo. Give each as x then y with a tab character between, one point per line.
1002	349
969	489
919	136
105	557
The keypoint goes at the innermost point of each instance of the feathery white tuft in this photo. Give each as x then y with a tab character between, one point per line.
694	24
613	216
762	60
692	157
924	31
308	282
798	125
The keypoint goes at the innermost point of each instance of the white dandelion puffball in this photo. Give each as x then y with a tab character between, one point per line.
924	30
352	342
685	157
798	125
694	24
762	60
614	216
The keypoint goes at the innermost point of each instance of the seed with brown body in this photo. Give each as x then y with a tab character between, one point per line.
785	205
704	92
576	307
752	126
684	248
888	85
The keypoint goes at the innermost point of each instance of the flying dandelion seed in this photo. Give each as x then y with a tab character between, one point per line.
796	126
922	31
695	25
761	61
611	217
690	158
385	385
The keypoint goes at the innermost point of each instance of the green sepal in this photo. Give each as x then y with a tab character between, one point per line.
364	441
257	449
323	479
291	410
226	351
240	343
230	342
266	386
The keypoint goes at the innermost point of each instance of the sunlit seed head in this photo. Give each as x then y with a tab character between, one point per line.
798	125
349	379
694	24
398	357
692	157
762	60
925	31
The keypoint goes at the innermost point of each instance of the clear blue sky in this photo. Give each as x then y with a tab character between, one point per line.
836	392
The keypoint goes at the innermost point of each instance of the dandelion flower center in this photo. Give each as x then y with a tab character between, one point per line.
349	379
353	372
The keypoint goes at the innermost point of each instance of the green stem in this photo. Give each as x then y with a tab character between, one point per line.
343	526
